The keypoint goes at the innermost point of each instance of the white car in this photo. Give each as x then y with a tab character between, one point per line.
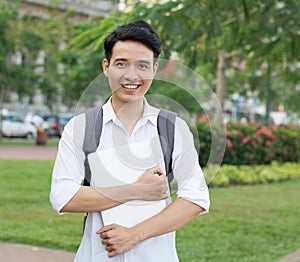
13	125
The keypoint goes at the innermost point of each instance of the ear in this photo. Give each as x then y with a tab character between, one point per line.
105	65
155	67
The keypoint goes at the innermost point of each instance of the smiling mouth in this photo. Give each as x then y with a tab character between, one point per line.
131	86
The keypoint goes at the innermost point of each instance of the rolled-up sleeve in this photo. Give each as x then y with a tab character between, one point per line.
187	171
68	171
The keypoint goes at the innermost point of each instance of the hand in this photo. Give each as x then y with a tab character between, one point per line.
152	185
117	239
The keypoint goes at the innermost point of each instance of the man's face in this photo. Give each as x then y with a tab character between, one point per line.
130	71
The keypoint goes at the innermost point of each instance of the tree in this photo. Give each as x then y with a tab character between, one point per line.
18	42
7	16
251	32
203	34
174	20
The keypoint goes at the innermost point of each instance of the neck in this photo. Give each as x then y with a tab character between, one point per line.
129	113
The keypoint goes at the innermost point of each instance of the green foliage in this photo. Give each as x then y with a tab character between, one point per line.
286	144
30	37
260	30
261	145
176	93
205	137
191	31
252	144
23	38
255	174
79	74
23	79
7	16
30	41
90	36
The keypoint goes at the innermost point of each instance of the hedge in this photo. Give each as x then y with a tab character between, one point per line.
252	143
256	174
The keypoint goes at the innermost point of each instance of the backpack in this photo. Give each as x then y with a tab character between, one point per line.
93	129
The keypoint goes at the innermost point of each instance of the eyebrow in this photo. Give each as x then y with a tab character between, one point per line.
120	60
126	60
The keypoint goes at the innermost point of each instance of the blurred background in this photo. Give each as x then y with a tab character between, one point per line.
248	51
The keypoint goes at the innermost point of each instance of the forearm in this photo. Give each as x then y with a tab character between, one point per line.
119	239
95	199
173	217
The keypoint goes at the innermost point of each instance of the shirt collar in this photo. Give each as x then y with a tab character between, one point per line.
108	112
150	113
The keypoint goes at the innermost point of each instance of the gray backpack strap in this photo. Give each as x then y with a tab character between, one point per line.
166	129
93	129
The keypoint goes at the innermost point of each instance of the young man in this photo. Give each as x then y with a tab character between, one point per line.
130	64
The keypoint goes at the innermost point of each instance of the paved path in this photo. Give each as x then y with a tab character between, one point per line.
293	257
25	253
28	152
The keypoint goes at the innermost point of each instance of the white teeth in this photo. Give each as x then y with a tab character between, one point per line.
131	86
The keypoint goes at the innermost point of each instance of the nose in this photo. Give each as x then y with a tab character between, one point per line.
131	73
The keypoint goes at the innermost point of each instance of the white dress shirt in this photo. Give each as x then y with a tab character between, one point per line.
68	174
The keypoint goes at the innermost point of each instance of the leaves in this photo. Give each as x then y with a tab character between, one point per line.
191	31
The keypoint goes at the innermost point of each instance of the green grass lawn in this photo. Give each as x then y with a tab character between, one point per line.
245	223
25	142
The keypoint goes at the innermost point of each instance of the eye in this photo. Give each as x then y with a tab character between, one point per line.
121	64
144	66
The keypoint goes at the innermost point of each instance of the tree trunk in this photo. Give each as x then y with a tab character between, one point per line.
267	95
220	89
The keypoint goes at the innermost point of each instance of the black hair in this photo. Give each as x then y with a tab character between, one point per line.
139	31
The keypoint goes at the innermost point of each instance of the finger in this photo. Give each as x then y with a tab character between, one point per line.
163	177
105	242
109	248
165	195
157	171
104	235
105	229
112	253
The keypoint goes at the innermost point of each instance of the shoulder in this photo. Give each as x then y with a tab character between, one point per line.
180	123
75	126
76	120
182	130
174	118
80	119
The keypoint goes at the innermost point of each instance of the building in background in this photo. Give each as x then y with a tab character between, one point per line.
83	10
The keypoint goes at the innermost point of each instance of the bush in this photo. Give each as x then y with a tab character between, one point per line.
256	174
287	144
252	144
204	132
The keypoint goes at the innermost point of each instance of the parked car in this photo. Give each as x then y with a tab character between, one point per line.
51	124
13	125
54	124
64	118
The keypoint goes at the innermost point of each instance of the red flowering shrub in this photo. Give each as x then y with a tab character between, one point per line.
252	144
287	144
